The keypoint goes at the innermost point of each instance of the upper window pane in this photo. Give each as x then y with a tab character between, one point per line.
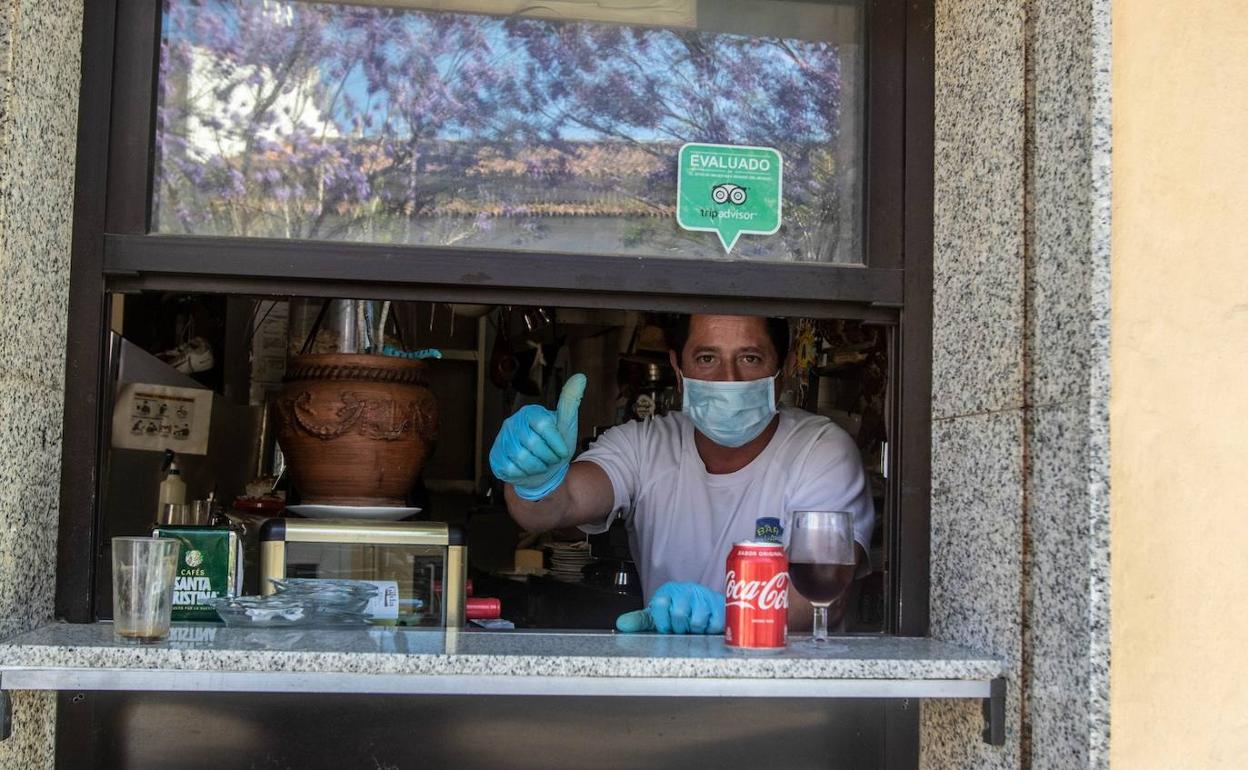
469	129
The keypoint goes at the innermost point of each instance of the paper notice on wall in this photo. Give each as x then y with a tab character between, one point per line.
160	417
268	349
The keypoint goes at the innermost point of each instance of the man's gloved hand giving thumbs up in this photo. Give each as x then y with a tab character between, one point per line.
535	445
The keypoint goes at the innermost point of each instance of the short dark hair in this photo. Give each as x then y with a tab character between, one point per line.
676	331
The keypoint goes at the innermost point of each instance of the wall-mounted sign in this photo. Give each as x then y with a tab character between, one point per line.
729	190
160	417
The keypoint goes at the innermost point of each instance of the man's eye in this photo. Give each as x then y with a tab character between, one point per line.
705	359
752	360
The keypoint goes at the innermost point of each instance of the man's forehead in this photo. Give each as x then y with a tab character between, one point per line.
723	330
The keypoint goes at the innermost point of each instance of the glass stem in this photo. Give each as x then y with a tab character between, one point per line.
819	630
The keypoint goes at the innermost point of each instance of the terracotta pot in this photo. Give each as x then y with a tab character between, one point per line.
356	429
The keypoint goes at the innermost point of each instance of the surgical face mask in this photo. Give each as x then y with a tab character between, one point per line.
730	413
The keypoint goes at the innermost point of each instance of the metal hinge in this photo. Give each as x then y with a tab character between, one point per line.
994	713
6	715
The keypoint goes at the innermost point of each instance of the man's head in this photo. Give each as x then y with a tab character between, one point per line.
728	347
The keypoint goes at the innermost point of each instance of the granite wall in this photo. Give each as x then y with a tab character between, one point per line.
979	327
39	76
1066	643
1020	374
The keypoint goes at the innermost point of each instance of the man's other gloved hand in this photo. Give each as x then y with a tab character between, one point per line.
535	445
678	608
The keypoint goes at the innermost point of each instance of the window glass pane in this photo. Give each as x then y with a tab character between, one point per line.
454	127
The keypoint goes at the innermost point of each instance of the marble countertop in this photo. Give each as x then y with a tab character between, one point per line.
481	661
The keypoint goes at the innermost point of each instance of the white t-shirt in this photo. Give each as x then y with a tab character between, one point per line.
682	521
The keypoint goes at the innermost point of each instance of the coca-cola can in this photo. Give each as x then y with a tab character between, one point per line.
756	589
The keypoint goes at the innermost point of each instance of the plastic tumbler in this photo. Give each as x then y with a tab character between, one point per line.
143	571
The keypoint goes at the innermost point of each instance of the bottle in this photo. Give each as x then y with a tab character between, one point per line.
173	488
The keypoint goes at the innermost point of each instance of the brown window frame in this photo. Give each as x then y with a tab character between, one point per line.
114	251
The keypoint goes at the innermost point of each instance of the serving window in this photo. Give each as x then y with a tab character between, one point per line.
496	153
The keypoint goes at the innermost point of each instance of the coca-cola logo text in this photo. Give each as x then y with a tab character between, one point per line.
770	595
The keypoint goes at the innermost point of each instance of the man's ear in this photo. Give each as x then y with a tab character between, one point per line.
680	377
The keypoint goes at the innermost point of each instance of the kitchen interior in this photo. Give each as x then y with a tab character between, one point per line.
264	466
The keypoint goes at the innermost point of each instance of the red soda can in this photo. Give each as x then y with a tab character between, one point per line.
756	589
482	608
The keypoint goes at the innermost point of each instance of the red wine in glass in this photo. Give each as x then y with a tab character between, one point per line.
820	583
821	563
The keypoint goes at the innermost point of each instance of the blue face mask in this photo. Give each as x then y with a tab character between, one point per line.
730	413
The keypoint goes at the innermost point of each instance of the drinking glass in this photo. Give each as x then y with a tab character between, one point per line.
821	562
201	513
143	571
175	514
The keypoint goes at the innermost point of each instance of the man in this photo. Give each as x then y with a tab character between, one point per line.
691	483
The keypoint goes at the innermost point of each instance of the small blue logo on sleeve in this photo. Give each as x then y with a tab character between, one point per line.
768	530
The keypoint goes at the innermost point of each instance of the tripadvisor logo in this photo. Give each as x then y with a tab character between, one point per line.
194	558
729	190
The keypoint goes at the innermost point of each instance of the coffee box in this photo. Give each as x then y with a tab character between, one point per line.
210	566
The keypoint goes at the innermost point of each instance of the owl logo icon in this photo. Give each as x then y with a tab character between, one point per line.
728	193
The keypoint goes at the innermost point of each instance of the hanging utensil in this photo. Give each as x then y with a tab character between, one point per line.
503	363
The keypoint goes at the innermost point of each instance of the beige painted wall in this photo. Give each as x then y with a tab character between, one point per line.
1179	403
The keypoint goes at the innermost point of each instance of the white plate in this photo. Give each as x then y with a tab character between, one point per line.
364	512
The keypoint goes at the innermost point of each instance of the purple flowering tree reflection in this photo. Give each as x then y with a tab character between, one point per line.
342	122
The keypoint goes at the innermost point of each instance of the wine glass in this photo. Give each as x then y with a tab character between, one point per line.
821	563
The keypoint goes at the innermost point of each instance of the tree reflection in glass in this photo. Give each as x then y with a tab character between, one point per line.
292	120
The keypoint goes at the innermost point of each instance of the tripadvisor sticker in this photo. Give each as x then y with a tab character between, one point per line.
729	190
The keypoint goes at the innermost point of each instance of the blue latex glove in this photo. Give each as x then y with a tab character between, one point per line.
535	445
678	608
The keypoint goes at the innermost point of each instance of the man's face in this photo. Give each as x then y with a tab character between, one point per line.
727	347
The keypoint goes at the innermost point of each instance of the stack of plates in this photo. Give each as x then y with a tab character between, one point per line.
568	559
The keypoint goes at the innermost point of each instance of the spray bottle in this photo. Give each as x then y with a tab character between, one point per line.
173	488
